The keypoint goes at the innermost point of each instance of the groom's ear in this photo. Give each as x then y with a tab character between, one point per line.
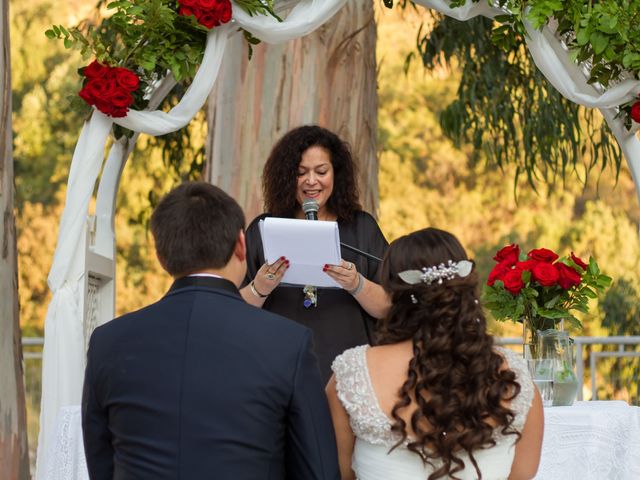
240	250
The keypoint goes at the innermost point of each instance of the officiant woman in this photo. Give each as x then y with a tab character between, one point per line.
311	162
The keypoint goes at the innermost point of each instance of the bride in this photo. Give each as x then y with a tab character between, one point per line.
436	398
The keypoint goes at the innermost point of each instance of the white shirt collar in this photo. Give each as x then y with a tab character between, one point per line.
204	275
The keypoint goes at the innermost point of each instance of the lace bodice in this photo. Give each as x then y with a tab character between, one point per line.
371	424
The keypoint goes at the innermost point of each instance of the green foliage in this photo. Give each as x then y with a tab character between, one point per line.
258	8
605	34
506	108
621	307
149	37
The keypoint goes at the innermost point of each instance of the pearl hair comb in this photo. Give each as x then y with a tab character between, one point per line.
437	273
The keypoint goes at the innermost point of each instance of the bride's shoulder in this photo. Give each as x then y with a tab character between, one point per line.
349	359
513	360
516	363
349	370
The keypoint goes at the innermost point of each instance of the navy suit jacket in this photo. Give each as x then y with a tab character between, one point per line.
201	385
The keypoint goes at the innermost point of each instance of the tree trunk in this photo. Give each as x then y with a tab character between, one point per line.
14	453
327	78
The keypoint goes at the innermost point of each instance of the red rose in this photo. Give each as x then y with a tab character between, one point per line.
543	255
87	95
188	10
508	254
104	106
567	276
119	112
188	3
545	274
207	5
513	281
498	273
95	70
108	88
126	79
121	99
97	89
635	112
208	20
224	11
108	108
526	265
578	261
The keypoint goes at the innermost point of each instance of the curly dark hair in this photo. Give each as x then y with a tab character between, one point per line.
280	174
455	376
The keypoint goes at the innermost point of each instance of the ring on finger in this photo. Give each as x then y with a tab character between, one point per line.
270	276
349	265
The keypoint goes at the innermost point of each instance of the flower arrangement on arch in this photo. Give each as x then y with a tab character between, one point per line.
109	89
145	39
602	34
540	288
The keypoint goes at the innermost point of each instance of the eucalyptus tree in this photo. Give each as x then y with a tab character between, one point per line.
507	109
326	78
14	453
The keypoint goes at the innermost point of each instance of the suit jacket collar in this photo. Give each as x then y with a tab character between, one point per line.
206	282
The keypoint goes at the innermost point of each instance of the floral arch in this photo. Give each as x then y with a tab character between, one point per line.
81	277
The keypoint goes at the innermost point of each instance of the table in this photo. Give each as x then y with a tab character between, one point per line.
587	441
591	441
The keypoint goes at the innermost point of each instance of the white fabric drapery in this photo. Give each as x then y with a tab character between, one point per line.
63	355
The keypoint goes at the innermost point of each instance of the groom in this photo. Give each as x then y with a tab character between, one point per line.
201	385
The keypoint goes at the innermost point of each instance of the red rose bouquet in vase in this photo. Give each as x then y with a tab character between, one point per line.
541	289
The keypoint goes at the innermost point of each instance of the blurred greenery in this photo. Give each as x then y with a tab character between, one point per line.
507	109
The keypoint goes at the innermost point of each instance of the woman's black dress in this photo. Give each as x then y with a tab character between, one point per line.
338	322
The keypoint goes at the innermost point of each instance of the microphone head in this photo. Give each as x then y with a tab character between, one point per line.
309	205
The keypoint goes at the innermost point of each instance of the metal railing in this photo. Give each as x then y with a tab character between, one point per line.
30	342
579	344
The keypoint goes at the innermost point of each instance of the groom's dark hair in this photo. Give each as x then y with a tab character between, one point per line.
195	227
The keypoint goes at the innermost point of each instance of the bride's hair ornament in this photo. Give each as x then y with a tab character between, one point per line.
437	273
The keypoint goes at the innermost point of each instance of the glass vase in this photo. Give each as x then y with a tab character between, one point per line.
531	328
557	347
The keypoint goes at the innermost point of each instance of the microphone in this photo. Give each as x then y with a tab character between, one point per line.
310	208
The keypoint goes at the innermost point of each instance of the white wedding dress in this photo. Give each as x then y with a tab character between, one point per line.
372	428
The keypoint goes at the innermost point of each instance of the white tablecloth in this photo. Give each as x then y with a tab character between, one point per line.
588	441
591	441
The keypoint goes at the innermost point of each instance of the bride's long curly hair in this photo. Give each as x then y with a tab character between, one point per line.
455	376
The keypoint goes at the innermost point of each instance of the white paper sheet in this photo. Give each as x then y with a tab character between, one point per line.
308	245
